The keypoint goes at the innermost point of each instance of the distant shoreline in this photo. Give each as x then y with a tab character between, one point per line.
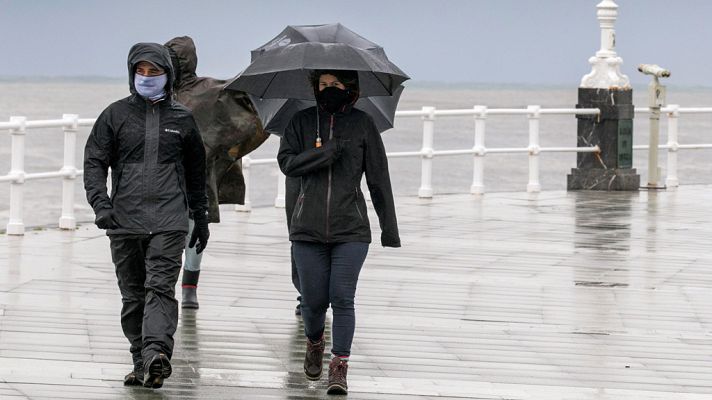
413	84
60	79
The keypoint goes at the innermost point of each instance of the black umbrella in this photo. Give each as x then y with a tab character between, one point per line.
327	33
280	69
276	113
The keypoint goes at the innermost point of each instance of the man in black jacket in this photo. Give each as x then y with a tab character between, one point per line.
157	161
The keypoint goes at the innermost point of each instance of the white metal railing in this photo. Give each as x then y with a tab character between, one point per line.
18	126
427	151
17	176
479	150
673	112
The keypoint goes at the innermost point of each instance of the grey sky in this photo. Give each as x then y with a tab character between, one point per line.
491	41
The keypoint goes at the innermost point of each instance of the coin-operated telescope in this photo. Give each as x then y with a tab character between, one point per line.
656	100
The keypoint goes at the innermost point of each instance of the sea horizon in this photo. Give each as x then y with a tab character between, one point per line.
412	83
50	97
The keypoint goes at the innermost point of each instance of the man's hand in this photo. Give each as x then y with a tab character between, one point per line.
200	232
105	219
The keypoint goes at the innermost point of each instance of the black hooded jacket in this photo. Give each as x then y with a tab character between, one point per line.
331	207
155	153
228	124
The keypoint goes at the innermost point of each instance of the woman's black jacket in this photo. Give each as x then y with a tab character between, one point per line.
331	207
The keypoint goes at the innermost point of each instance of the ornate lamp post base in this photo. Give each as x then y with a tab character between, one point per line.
612	131
607	89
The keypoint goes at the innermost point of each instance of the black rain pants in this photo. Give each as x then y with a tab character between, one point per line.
147	269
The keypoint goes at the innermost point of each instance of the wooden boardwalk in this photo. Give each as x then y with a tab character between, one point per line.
512	296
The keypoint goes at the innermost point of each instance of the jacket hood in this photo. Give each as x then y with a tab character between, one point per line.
184	57
155	54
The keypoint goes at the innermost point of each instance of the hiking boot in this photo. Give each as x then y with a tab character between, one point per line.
337	376
135	377
314	359
156	370
190	297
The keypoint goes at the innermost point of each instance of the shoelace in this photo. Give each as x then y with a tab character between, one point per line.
340	370
315	349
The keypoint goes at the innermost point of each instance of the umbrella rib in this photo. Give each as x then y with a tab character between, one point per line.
267	86
379	81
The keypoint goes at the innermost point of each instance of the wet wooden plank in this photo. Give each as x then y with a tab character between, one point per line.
506	296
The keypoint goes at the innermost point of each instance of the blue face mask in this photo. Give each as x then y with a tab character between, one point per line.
151	87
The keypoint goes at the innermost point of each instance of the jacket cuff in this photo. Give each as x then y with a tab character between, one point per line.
198	213
390	240
102	206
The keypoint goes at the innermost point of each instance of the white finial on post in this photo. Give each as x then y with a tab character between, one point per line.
606	73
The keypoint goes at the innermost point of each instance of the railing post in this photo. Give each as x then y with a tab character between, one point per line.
67	219
534	149
15	226
478	184
247	207
673	146
426	187
279	202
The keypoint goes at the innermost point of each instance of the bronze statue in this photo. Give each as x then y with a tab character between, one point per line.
230	129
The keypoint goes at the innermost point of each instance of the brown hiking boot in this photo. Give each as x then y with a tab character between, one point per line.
337	376
314	359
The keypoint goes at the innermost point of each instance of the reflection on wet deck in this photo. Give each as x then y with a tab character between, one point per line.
508	296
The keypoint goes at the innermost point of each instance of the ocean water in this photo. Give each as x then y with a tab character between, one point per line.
50	98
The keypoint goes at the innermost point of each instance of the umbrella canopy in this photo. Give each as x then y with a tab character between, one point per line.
327	33
280	69
276	113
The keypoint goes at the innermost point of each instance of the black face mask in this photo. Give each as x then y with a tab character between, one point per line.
332	99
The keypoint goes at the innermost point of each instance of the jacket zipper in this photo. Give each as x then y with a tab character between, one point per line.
300	204
151	204
356	204
115	190
328	189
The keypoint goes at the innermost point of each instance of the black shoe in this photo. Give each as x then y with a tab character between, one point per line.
298	310
313	359
134	378
156	370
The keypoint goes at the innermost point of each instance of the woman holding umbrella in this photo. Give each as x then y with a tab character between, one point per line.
330	147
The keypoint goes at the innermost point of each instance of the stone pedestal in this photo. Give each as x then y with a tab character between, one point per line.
612	131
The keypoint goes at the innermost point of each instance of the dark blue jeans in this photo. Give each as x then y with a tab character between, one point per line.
328	274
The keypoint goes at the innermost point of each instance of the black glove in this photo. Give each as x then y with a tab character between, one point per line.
200	232
105	219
